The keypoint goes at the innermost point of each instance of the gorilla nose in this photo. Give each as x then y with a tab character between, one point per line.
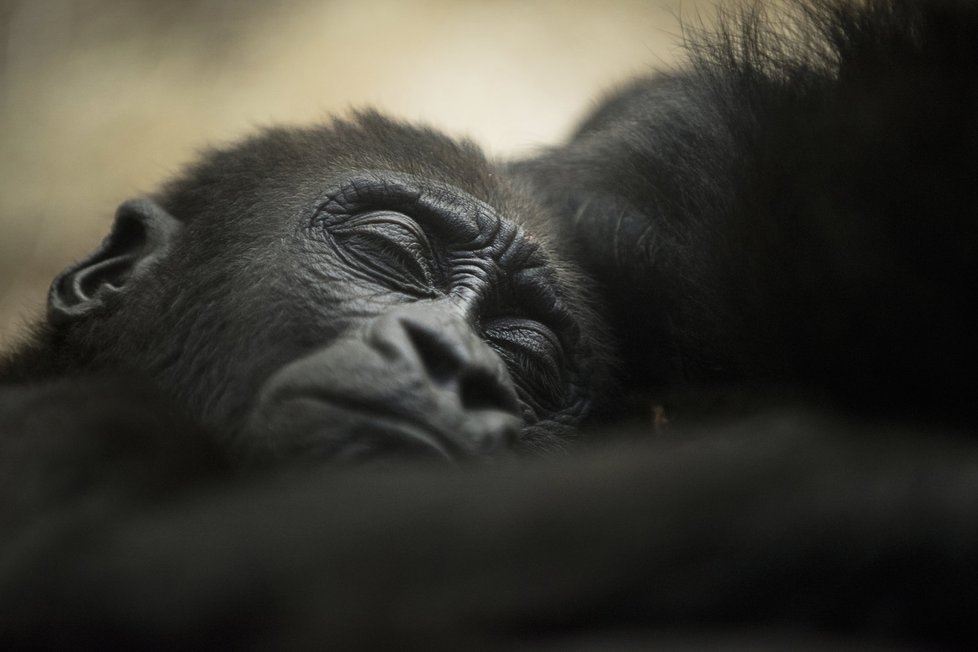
475	402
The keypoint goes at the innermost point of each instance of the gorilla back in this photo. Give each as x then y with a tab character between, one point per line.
796	207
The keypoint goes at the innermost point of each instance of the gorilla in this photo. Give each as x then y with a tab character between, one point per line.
362	290
696	377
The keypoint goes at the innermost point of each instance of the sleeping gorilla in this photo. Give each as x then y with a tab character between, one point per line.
795	214
361	290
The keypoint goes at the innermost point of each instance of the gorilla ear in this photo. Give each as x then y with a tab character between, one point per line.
142	234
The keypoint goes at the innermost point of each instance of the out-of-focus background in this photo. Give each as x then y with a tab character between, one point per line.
100	100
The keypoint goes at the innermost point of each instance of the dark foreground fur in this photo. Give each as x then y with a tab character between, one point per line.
786	212
772	532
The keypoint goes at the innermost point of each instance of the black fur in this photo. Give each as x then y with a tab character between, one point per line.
796	207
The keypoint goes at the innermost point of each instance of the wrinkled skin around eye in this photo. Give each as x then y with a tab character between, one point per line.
392	246
533	354
394	250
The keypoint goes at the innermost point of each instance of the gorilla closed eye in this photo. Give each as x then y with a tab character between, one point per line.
392	246
534	352
445	210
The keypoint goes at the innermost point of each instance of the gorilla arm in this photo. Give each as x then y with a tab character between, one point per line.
782	521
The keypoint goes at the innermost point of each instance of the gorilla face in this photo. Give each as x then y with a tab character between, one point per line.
348	292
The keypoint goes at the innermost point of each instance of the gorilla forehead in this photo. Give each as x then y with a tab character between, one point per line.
283	170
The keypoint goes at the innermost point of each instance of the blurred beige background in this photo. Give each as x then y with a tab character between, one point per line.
100	100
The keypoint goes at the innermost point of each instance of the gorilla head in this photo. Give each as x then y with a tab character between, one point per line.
344	292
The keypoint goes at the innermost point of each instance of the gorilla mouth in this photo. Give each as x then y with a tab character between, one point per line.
344	429
369	436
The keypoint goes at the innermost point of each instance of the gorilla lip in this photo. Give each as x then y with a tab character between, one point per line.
387	430
373	424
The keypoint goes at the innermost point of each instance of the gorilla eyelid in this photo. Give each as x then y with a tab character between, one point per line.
445	209
386	242
529	338
520	327
537	291
535	358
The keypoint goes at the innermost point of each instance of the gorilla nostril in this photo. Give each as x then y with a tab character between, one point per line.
480	390
441	363
455	359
